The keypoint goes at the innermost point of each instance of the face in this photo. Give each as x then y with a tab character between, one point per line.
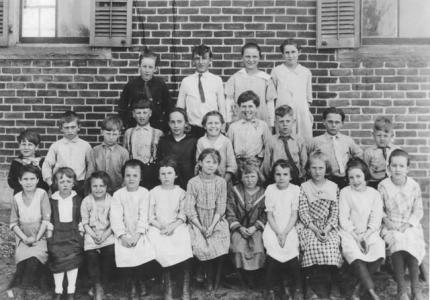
65	184
167	176
98	188
110	137
317	169
132	177
282	177
333	123
285	124
177	123
27	149
356	178
213	126
70	130
250	180
201	63
142	115
248	110
28	181
382	138
398	167
147	68
291	55
209	165
251	58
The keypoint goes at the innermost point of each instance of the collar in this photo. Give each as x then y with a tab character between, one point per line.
204	74
330	137
29	160
107	146
146	127
253	121
56	196
259	74
291	136
179	139
215	143
296	70
67	141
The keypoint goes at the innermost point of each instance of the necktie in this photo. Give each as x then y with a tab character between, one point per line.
338	155
295	174
201	92
384	152
147	91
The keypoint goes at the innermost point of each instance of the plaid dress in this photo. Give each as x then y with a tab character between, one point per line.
319	205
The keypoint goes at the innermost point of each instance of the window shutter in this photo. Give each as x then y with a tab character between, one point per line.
4	24
111	23
338	23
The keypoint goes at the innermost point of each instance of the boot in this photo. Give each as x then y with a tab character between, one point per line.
71	296
271	295
56	296
99	293
167	285
373	294
186	294
218	273
132	291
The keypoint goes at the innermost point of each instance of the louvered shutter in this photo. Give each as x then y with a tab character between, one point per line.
338	23
4	24
111	23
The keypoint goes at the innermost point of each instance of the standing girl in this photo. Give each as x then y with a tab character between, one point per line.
319	216
293	85
205	208
360	216
213	122
280	236
401	228
169	232
179	146
65	248
251	78
29	219
98	238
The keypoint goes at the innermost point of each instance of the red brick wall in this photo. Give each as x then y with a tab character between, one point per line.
34	92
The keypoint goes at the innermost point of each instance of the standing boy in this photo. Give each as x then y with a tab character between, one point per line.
201	92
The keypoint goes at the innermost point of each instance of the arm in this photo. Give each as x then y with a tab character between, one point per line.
355	150
14	222
153	212
221	100
46	225
229	98
266	165
375	219
49	164
91	163
143	221
305	218
291	223
272	222
265	138
117	216
417	207
231	165
180	216
12	178
231	211
85	215
303	157
344	213
182	96
333	220
123	105
220	205
309	88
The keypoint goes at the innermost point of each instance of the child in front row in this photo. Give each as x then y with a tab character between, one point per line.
319	216
65	247
280	235
401	226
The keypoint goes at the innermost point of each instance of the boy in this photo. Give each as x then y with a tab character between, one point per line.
150	87
109	156
142	140
286	145
70	151
338	147
201	92
249	134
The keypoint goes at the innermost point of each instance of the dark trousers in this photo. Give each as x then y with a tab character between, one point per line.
276	270
197	131
149	176
142	272
100	263
328	274
401	260
25	272
364	271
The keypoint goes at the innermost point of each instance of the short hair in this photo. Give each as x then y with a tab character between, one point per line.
69	116
248	96
169	161
251	167
181	111
284	110
333	110
132	163
142	103
251	45
64	171
382	123
283	163
201	50
292	42
29	135
97	175
148	53
28	169
111	123
318	154
210	114
401	153
210	152
357	163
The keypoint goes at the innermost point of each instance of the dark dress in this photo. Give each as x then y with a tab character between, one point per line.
183	152
66	246
15	168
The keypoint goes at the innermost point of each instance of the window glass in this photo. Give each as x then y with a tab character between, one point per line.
73	18
379	18
38	18
414	18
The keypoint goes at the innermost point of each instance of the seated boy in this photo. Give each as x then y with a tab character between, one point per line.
142	140
201	92
70	151
109	156
338	147
376	156
286	145
248	135
150	87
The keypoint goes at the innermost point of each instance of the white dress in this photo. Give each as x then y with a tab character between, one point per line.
167	206
358	212
281	203
129	215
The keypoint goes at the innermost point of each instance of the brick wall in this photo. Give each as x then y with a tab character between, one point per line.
366	82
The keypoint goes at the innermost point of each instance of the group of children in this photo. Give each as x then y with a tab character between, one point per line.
187	185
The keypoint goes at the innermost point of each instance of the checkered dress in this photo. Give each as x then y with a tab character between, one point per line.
320	206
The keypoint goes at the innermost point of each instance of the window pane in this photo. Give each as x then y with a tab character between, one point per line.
74	18
38	21
380	18
414	18
39	3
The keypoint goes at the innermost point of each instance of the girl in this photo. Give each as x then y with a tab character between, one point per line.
401	227
29	141
360	216
246	217
251	78
168	232
205	208
98	238
30	218
280	236
129	222
293	85
213	121
65	246
318	213
179	146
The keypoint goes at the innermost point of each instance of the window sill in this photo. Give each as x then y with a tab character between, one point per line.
54	51
386	52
